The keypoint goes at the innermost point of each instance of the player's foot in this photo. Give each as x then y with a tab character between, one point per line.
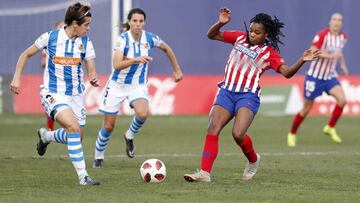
86	180
198	176
98	163
332	133
291	140
42	144
251	169
130	147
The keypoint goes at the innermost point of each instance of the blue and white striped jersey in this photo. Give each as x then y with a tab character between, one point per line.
63	73
136	73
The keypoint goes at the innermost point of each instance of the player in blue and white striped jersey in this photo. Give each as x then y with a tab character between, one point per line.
128	81
62	90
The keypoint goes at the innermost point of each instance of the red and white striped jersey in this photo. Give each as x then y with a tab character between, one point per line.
247	63
325	68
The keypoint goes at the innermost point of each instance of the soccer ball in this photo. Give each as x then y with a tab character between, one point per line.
153	171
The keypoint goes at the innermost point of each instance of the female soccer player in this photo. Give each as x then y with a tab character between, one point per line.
63	85
321	77
254	52
128	81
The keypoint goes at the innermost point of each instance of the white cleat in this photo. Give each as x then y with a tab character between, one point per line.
251	169
199	176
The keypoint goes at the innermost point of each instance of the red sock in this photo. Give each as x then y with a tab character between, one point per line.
50	123
296	123
248	149
335	115
210	152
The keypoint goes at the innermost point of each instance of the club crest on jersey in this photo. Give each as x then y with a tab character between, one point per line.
146	45
80	47
243	49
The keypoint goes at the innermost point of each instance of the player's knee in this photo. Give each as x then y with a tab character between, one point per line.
142	115
342	102
213	129
109	126
73	128
238	137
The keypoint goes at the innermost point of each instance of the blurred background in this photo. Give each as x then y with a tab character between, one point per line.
183	25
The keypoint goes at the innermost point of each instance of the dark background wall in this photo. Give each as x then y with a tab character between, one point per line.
183	25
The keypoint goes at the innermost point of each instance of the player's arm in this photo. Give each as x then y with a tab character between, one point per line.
20	65
308	55
90	67
343	65
120	62
327	55
175	66
214	32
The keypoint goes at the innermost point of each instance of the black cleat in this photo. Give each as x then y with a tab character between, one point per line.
41	146
98	163
130	147
88	181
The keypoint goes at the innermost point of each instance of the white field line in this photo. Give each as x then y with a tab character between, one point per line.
192	155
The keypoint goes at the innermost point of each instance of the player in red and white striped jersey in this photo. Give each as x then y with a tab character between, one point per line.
253	52
321	77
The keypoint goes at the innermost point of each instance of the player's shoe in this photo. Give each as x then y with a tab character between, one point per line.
332	133
98	163
130	147
251	169
291	140
42	144
86	180
198	176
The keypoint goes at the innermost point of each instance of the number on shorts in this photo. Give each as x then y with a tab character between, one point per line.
310	86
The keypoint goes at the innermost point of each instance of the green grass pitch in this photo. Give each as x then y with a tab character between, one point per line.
317	170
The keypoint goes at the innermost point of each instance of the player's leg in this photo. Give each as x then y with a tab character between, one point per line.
220	115
70	123
298	119
103	139
50	123
141	109
247	106
337	92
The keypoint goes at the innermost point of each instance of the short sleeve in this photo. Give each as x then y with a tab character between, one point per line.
232	36
120	43
319	39
275	60
90	51
157	40
42	41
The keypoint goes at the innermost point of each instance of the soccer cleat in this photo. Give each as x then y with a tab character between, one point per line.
86	180
42	145
98	163
198	176
332	133
251	169
130	147
291	140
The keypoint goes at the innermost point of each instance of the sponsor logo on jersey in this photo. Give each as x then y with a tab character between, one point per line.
66	61
241	48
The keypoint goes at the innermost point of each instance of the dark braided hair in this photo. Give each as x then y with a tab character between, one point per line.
272	27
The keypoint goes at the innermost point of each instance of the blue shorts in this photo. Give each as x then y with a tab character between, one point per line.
232	101
314	87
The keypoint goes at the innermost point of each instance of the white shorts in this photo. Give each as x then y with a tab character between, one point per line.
115	94
55	103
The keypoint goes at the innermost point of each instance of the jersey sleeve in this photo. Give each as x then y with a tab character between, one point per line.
231	36
90	51
42	41
319	39
156	39
275	60
120	43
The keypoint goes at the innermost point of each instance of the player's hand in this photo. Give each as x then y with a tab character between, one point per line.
310	55
143	59
225	15
94	80
178	76
15	86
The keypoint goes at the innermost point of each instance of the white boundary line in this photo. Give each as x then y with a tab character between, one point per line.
63	156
